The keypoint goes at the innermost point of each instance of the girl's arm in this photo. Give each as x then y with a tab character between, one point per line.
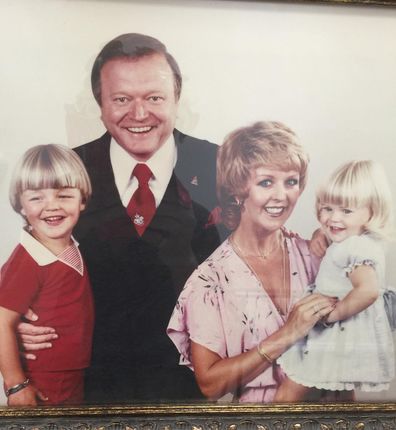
10	364
318	243
217	376
365	291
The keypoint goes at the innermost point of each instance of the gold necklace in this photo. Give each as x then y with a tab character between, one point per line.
262	254
282	312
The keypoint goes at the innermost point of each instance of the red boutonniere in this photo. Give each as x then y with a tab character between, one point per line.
214	217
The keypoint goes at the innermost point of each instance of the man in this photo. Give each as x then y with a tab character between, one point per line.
138	260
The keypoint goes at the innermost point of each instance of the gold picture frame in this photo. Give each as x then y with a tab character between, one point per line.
210	416
339	416
351	2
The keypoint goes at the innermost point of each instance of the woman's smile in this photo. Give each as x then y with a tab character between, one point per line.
274	210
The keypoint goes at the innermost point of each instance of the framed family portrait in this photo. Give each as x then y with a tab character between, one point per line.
325	69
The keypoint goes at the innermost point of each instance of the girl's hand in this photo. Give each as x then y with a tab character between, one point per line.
318	243
306	313
26	397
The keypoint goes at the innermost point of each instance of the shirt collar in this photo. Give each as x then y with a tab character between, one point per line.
161	163
40	254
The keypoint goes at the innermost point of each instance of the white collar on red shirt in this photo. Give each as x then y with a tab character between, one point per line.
161	164
43	256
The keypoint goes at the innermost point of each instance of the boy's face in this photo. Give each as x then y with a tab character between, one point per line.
52	214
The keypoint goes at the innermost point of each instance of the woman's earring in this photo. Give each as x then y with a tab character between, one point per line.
237	202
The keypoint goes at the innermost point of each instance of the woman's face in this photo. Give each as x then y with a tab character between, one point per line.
272	195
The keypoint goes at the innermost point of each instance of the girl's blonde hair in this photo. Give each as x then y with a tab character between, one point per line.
359	184
48	166
267	143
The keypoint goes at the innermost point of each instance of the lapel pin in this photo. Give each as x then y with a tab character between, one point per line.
194	180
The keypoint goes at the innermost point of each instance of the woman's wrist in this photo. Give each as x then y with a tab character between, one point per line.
262	352
274	346
286	337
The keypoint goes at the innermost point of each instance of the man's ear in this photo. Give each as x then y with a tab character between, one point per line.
23	213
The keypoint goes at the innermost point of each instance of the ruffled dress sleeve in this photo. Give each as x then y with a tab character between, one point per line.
357	251
197	314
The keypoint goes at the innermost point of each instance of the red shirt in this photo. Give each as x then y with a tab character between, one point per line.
60	296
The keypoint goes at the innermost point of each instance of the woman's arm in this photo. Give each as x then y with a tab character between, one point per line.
365	292
10	364
217	376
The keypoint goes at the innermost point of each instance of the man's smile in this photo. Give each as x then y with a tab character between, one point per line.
144	129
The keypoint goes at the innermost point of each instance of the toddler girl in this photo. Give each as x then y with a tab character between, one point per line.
46	273
353	347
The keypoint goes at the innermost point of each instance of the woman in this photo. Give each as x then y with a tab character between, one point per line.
240	310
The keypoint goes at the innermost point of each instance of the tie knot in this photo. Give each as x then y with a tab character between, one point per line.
142	173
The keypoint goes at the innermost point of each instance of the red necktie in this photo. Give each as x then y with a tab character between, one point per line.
141	207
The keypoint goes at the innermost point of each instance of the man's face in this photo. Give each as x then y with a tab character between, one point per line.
138	103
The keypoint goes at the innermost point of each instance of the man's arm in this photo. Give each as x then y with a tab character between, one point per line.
34	338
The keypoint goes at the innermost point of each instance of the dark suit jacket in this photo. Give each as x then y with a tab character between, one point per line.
136	281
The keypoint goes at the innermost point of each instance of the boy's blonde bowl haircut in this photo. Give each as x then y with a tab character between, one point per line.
359	184
267	144
48	166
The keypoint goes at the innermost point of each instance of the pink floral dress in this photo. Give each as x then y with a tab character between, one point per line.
225	308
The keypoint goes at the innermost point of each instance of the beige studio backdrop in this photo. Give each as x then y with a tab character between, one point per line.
327	71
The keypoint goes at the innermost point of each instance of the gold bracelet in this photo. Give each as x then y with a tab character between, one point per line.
264	355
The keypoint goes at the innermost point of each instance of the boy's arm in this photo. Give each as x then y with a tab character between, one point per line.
10	364
365	291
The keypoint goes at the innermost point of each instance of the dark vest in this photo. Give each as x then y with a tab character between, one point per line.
136	281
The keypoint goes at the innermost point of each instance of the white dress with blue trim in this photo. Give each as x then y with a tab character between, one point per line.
356	353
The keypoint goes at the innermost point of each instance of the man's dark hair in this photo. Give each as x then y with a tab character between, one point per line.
133	46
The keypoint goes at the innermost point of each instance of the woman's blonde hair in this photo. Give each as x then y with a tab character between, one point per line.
358	184
266	143
48	166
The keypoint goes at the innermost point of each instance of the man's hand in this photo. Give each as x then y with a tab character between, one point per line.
318	243
34	338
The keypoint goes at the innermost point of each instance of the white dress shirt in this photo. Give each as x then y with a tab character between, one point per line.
161	164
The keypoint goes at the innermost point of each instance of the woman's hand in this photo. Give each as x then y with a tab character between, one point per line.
34	338
306	313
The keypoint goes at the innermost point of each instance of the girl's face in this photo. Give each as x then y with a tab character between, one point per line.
272	196
339	223
52	214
